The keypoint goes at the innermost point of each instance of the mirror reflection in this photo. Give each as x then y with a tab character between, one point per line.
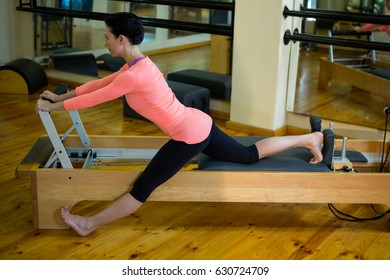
54	33
350	97
343	83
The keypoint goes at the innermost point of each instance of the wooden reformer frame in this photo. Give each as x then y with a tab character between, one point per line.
107	177
356	77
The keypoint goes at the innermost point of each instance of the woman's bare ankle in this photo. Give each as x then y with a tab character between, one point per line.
315	145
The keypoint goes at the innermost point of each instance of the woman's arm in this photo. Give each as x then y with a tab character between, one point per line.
370	27
120	86
97	84
50	101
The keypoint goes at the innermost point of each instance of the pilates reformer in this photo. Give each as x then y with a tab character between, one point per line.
373	75
355	62
365	72
73	168
375	80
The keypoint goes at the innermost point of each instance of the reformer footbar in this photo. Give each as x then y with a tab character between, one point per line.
59	153
61	156
361	60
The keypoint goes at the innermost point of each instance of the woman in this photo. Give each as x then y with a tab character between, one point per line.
146	91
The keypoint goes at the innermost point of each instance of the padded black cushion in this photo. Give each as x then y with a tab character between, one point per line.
380	72
76	63
352	156
189	95
296	159
110	63
220	85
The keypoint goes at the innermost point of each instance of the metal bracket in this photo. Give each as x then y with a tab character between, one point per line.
342	161
59	149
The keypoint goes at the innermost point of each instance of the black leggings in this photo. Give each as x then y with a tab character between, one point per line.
175	154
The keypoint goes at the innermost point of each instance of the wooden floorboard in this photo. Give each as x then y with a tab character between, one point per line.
169	230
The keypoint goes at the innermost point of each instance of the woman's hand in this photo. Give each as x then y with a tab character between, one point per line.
48	95
43	105
50	101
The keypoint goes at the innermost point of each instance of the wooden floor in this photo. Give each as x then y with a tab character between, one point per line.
170	230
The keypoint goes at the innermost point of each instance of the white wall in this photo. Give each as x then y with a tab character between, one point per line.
5	52
17	39
260	63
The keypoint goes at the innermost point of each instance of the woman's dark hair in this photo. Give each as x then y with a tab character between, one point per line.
126	24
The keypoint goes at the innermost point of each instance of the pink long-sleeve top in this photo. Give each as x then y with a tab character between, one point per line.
383	28
147	92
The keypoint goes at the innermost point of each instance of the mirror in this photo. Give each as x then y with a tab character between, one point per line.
55	34
349	97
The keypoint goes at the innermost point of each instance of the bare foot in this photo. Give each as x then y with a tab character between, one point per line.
315	147
78	223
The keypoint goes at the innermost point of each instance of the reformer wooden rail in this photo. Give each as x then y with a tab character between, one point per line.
330	71
54	187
